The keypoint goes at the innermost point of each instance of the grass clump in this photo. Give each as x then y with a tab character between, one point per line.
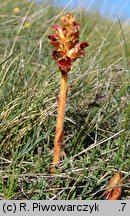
97	113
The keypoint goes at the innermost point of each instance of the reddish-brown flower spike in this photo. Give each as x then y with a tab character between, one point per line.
66	42
67	49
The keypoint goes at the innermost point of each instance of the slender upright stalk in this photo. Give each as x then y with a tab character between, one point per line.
60	120
67	49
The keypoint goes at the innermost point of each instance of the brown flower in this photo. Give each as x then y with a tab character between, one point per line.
66	42
115	192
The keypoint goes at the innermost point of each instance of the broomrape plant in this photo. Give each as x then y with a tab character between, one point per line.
67	49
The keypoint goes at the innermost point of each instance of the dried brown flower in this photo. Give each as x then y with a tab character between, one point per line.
115	192
66	42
